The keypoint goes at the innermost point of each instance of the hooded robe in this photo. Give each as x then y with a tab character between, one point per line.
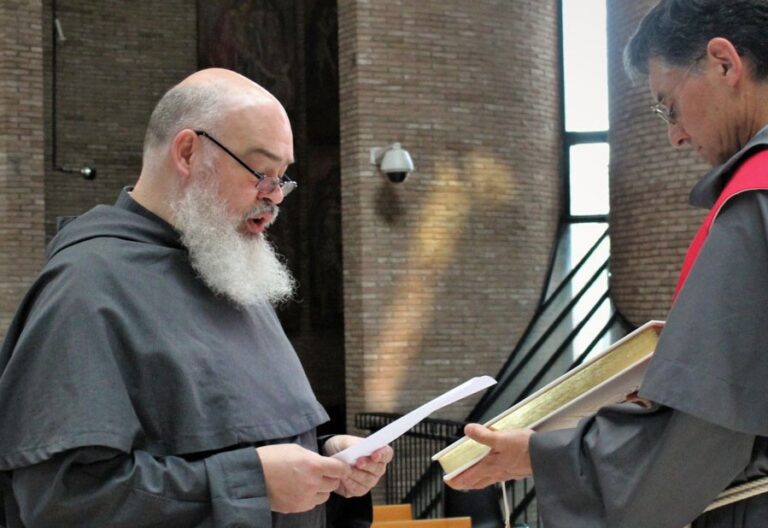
131	395
660	467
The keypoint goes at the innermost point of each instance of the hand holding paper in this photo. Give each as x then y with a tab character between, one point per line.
365	472
391	432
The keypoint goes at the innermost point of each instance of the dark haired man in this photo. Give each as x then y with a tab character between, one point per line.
705	427
145	380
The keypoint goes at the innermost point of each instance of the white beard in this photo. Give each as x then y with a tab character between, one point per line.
243	268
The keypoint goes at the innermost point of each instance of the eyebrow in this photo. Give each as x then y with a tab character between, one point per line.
268	154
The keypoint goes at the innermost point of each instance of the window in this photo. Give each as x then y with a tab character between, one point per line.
585	76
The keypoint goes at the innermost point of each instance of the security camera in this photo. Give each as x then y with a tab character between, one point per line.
394	161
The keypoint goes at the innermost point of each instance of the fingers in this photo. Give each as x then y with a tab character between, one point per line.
383	455
358	483
509	458
338	443
298	479
472	481
366	473
332	468
482	477
481	434
350	487
376	464
480	484
472	478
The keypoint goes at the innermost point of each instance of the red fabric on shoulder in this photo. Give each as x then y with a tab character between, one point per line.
752	175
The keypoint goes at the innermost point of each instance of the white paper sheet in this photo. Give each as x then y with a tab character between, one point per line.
386	435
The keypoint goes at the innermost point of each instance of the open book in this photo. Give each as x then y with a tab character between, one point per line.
606	378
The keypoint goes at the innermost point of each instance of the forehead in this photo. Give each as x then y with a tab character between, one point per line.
662	78
263	130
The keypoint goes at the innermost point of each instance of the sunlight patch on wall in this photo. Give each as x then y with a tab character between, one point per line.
442	231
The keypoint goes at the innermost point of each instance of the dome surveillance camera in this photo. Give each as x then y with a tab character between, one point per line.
394	161
397	176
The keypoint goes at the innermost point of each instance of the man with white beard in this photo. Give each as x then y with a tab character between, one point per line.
146	380
224	256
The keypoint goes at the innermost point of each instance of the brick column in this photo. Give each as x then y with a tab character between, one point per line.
651	221
22	203
443	271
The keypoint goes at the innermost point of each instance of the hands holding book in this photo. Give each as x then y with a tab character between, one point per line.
604	379
509	458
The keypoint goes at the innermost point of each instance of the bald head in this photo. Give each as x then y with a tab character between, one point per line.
235	111
207	99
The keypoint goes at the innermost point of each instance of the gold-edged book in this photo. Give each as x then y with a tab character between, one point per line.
609	377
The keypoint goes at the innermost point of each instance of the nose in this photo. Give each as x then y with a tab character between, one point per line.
678	137
276	196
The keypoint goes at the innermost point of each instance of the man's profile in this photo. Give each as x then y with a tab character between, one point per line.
146	380
706	429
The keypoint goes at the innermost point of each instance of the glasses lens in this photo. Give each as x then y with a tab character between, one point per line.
268	185
662	112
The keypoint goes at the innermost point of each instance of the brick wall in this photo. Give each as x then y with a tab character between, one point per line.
443	272
22	203
651	221
116	62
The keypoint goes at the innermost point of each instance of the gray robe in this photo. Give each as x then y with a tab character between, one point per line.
629	467
131	395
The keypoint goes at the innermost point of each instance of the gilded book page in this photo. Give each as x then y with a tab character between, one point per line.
605	379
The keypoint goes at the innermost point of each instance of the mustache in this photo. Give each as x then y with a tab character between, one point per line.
260	208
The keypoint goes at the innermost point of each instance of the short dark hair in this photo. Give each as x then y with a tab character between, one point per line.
677	33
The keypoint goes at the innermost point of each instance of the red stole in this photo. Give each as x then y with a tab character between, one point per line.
752	175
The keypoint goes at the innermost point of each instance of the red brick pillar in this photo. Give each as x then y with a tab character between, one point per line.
443	272
22	201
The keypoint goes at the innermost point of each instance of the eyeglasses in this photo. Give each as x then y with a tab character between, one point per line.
668	114
266	184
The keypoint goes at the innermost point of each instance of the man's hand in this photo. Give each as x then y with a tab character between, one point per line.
298	479
366	471
509	458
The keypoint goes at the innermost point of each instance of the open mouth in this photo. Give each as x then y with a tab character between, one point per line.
257	223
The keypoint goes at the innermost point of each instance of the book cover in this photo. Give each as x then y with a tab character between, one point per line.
607	378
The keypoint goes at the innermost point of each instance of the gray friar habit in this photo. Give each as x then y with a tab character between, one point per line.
131	395
660	467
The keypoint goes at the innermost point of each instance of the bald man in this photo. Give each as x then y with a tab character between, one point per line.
146	380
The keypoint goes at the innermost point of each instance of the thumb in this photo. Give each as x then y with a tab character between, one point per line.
334	468
481	434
